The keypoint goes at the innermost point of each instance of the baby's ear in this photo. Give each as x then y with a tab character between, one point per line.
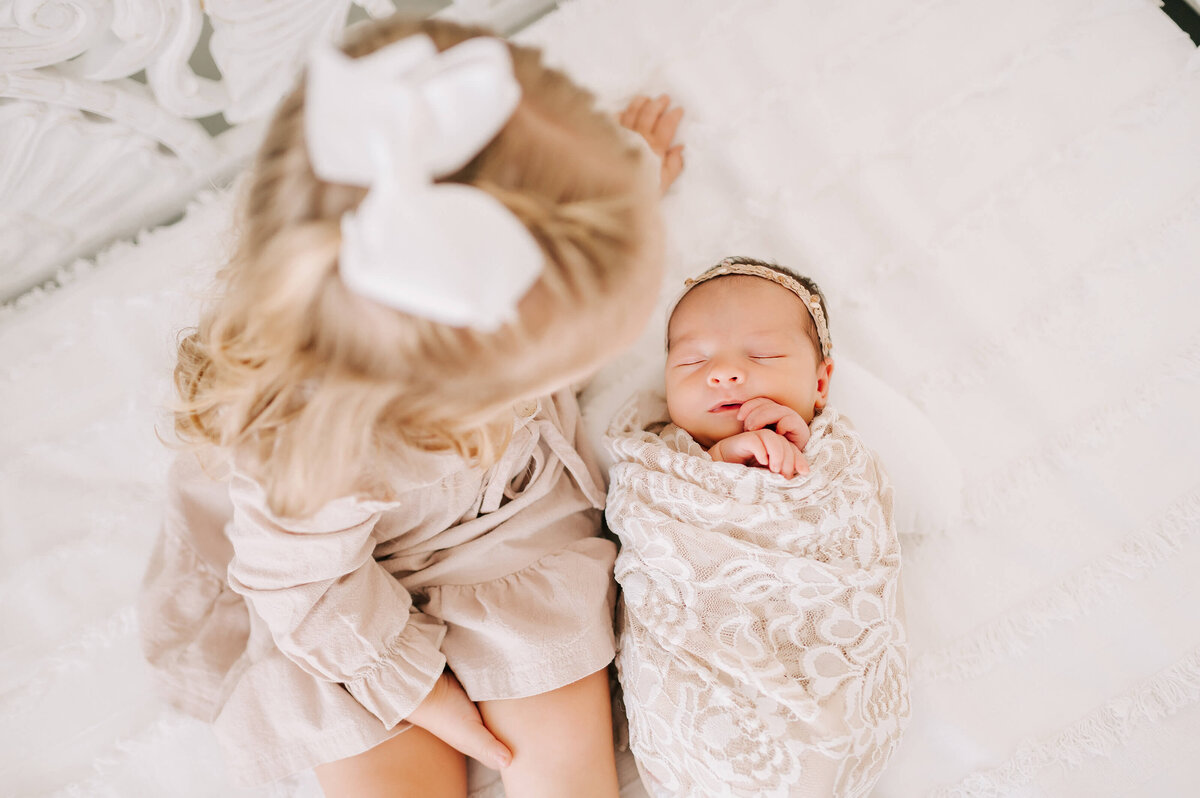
824	375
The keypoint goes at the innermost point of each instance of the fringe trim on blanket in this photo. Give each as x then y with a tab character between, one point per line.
1069	599
1095	735
114	252
40	293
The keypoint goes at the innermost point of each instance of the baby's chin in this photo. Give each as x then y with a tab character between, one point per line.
707	435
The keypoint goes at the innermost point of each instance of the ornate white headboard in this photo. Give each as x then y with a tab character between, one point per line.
114	112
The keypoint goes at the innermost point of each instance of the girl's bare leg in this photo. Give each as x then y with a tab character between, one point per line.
414	763
561	741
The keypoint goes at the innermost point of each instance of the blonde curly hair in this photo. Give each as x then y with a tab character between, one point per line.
312	387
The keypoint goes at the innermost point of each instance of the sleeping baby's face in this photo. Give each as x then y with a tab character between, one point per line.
735	338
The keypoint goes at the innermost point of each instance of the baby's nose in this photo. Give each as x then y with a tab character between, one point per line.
722	373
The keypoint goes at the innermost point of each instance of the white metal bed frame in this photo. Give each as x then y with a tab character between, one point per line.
114	114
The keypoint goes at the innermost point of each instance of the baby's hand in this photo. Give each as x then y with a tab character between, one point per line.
448	714
761	447
762	412
651	120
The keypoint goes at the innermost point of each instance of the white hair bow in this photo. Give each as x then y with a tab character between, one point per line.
393	121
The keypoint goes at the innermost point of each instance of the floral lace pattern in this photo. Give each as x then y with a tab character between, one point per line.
763	650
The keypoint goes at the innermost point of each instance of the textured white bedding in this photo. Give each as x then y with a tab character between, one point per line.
1000	201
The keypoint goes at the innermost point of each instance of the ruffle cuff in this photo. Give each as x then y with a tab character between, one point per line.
405	674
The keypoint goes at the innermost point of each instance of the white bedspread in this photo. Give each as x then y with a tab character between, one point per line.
1000	201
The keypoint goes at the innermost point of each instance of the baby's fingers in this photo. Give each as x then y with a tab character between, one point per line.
759	412
758	418
792	427
777	452
752	449
799	463
787	461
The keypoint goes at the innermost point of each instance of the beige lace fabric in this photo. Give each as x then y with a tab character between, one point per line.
763	650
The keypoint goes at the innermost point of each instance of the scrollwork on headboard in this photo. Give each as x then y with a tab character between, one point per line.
107	127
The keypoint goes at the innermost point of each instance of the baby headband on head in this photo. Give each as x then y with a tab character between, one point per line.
811	301
393	121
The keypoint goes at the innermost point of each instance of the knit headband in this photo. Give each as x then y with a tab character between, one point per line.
811	301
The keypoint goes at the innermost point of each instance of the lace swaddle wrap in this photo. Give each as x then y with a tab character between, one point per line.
763	649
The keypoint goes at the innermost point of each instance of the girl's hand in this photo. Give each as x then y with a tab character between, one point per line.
652	120
762	412
449	715
763	448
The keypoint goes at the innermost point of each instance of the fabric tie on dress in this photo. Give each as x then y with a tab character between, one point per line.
532	428
570	458
523	448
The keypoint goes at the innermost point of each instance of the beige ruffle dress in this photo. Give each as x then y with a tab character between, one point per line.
307	641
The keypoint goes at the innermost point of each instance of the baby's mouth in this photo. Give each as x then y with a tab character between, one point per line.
725	407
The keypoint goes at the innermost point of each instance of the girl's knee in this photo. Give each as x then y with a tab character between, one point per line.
414	763
561	740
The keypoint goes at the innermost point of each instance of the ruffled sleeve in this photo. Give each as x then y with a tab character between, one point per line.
330	607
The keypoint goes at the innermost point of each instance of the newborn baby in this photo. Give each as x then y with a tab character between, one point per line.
747	369
762	648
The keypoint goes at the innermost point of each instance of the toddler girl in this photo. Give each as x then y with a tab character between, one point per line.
383	515
763	651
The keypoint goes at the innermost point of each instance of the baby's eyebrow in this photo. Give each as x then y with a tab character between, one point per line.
682	339
769	335
773	333
777	336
